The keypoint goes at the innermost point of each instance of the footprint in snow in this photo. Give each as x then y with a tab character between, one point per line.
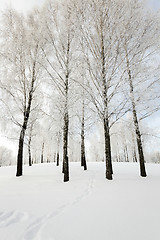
86	192
8	218
33	232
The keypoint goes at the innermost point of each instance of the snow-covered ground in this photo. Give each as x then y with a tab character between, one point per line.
39	206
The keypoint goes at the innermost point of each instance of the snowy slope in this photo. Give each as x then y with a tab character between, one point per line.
39	206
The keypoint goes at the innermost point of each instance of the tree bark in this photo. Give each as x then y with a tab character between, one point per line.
109	169
57	163
42	153
65	148
30	156
126	153
24	126
139	144
134	156
83	155
20	153
66	118
136	125
29	147
58	145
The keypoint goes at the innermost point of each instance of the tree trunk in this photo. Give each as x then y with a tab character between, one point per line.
30	157
134	156
57	159
20	154
48	159
58	145
139	144
24	127
65	148
21	143
29	147
109	170
137	130
126	153
42	153
66	117
83	155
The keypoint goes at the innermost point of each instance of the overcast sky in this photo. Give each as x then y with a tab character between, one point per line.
21	5
155	4
25	5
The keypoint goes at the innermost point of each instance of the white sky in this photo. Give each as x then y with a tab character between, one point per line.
21	5
155	4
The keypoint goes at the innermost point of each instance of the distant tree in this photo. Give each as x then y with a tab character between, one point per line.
58	138
6	156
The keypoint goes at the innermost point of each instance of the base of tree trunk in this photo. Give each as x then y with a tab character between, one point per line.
66	177
30	162
57	162
109	176
143	174
18	174
85	166
83	162
142	166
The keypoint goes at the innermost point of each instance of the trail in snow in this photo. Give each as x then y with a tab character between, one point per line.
33	231
9	218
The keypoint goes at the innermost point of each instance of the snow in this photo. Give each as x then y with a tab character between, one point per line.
39	206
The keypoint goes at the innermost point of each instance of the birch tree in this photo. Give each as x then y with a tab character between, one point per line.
102	57
138	43
59	57
21	54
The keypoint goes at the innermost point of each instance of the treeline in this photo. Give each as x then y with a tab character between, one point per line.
72	64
